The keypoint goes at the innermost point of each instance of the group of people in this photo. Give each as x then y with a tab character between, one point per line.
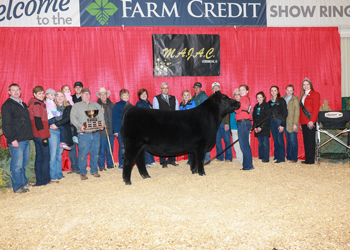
56	121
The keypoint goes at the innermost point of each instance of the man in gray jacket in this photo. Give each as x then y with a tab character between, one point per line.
89	140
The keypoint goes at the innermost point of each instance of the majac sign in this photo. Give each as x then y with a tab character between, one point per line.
186	55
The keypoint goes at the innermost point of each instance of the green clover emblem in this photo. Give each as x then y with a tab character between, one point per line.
102	9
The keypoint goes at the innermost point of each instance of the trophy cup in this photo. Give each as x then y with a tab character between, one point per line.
92	122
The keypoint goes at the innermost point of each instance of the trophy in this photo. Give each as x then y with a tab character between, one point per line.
92	122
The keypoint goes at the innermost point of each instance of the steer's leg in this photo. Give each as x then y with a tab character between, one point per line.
200	162
141	165
129	160
193	163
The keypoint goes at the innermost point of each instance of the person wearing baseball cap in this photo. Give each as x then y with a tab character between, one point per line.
78	86
199	97
223	132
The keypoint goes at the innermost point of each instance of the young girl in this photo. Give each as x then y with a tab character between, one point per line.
187	103
279	114
66	90
51	107
260	113
244	124
54	115
234	131
291	128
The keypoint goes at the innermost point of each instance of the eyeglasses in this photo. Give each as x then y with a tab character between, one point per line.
166	88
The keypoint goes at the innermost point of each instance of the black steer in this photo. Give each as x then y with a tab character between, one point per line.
166	133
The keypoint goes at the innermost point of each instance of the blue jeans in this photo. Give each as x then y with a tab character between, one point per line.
42	162
88	143
55	155
120	157
62	138
292	145
61	128
221	133
105	153
278	140
19	161
243	129
207	156
73	157
149	158
264	148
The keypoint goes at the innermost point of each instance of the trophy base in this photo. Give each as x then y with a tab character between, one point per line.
93	125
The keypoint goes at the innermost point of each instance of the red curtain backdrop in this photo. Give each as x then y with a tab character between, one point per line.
114	58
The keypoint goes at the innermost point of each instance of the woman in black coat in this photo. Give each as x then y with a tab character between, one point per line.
279	113
144	103
262	132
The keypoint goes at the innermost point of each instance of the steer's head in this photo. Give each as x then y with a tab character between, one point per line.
226	104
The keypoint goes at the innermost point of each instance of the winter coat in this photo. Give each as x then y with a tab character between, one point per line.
65	122
16	123
279	110
200	98
38	117
117	115
293	114
190	105
264	113
312	104
108	108
144	104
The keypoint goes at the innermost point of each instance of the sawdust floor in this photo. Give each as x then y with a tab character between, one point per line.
275	206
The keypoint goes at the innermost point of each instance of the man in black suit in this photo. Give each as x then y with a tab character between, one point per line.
164	101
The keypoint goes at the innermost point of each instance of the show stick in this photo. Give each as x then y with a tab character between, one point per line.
257	125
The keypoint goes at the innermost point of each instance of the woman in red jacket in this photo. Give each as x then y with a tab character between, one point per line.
244	124
309	101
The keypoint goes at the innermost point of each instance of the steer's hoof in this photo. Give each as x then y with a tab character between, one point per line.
144	176
201	174
127	182
194	172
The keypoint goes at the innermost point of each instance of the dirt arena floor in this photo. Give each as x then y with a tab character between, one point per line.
275	206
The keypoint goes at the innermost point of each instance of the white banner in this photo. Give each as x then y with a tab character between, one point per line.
301	13
39	13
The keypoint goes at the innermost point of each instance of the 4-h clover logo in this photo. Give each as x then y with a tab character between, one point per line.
102	9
